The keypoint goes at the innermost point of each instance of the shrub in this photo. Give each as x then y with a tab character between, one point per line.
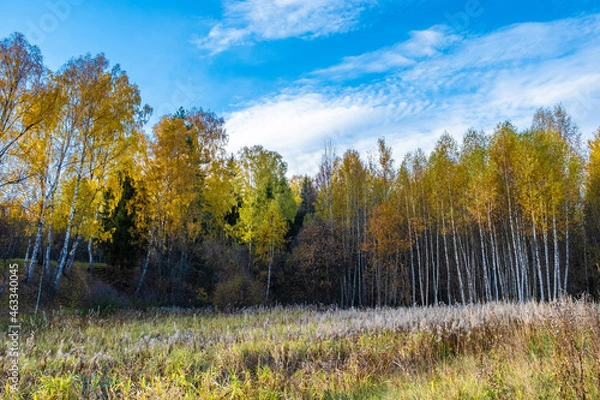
104	298
239	291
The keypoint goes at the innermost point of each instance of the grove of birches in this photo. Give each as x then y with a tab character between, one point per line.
164	215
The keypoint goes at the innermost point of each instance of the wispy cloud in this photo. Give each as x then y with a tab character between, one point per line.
452	84
247	21
421	44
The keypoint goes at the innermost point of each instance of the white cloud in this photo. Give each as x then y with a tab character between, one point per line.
453	85
421	44
297	126
247	21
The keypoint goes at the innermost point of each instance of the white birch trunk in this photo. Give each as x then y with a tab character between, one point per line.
36	248
537	257
446	257
71	257
145	265
556	257
412	258
566	249
486	279
456	258
65	250
46	269
547	258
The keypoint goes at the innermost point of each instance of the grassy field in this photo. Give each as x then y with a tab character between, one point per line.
495	351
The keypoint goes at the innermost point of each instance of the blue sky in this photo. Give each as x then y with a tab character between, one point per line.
293	74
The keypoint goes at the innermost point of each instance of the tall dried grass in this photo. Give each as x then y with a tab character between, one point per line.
477	351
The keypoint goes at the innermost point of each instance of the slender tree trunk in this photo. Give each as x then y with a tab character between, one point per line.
547	258
556	257
436	271
180	271
412	260
447	258
145	266
520	262
379	283
271	256
517	256
523	261
395	278
528	267
364	235
511	220
90	249
65	250
466	263
486	279
495	264
420	267
350	279
27	251
71	257
39	296
510	268
585	258
478	285
428	259
537	257
354	285
456	258
46	268
90	245
36	247
566	248
342	290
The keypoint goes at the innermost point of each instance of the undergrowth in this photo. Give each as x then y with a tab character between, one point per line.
493	351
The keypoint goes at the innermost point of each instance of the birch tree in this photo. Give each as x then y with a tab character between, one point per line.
101	115
22	82
267	207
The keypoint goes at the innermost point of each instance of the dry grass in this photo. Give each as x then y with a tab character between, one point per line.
493	351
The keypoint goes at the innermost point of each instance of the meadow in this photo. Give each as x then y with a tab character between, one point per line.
492	351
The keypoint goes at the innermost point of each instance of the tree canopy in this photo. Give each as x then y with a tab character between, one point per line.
512	214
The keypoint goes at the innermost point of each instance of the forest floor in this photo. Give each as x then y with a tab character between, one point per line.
492	351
